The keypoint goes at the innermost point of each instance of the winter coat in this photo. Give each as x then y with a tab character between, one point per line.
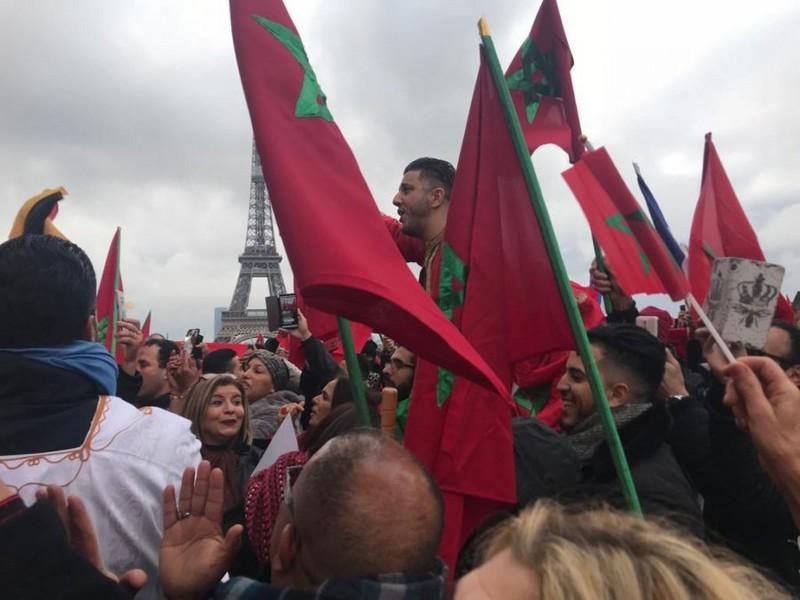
660	483
264	413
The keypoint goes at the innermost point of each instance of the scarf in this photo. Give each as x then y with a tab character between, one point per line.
89	359
227	459
589	434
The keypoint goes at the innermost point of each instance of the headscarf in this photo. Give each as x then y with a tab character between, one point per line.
276	367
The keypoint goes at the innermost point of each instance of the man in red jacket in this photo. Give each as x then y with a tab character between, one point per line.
422	201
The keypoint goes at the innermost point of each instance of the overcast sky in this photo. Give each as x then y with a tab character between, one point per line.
137	109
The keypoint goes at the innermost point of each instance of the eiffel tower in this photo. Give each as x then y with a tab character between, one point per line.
259	259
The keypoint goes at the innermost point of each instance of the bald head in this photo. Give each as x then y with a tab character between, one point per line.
365	506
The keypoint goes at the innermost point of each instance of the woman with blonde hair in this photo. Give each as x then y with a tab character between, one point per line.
549	552
217	407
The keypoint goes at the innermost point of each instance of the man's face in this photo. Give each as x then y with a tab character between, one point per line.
413	203
575	393
399	372
154	378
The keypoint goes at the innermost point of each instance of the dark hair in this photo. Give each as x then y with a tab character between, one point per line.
218	361
340	420
47	292
165	349
633	350
793	357
434	170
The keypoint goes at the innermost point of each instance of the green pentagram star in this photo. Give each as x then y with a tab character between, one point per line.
620	223
522	79
311	102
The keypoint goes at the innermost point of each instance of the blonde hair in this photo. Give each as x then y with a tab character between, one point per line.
200	394
605	555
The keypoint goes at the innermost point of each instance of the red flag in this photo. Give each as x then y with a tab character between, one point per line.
325	327
496	283
541	86
720	227
107	309
343	259
636	253
146	326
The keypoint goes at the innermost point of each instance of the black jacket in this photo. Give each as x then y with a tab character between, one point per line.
749	513
660	483
37	561
319	369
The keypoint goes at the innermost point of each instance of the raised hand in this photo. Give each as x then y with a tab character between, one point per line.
195	554
302	332
129	338
673	383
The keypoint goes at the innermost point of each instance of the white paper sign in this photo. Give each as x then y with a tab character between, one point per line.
284	440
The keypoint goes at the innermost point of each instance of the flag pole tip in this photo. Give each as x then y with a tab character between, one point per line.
708	136
636	169
483	27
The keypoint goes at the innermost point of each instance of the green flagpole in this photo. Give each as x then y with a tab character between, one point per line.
557	264
112	327
353	370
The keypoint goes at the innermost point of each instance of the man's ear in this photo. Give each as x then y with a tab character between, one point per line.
437	197
89	332
287	550
618	394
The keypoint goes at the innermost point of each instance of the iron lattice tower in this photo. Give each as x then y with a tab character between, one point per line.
259	259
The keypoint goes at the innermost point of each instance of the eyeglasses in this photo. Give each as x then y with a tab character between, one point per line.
784	363
398	364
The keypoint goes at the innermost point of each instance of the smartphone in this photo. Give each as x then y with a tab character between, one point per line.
190	341
120	300
288	308
650	324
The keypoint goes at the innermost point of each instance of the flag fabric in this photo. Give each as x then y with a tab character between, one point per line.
107	309
325	327
496	284
636	254
343	259
146	326
719	227
659	222
541	86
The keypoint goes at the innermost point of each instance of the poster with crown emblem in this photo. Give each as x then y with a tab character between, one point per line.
742	299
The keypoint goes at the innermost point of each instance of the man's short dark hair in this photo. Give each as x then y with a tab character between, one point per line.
165	349
434	170
793	358
47	292
355	535
218	361
633	350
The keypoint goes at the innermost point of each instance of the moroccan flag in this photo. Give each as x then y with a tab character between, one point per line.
107	309
635	252
720	227
659	222
497	286
541	87
325	327
146	326
343	259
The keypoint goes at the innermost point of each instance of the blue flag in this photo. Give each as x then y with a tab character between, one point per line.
659	222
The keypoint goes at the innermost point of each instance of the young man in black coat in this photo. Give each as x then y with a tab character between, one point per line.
631	363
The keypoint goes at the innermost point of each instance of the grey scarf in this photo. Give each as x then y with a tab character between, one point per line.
589	434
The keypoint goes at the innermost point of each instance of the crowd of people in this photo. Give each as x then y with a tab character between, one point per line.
143	477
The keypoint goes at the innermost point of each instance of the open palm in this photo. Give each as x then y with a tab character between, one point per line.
194	552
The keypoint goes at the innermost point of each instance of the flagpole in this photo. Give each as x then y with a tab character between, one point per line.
598	253
557	264
115	312
353	370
